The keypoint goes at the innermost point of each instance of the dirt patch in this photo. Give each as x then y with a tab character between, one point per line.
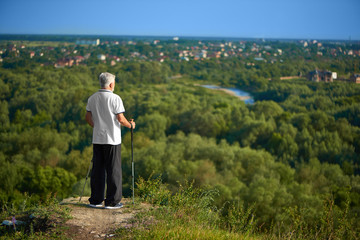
98	223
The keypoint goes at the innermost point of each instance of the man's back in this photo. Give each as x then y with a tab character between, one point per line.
104	105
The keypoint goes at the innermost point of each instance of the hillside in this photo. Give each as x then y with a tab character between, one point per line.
189	213
156	214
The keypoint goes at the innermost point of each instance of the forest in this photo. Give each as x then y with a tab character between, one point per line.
293	150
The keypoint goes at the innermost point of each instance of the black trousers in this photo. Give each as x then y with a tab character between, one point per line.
106	166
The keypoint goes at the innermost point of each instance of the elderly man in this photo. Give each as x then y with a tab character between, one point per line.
105	113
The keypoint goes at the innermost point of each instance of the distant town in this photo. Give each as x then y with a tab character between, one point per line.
85	51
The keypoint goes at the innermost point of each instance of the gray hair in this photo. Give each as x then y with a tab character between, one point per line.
105	79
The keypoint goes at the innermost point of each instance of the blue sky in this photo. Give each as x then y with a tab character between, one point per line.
306	19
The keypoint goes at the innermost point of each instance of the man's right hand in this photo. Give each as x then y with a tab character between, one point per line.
132	124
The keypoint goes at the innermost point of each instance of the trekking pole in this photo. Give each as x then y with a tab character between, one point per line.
87	175
132	164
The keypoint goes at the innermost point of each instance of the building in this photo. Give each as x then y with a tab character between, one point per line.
101	57
65	62
355	78
334	75
78	59
320	76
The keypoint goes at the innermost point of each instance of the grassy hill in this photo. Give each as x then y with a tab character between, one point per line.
189	213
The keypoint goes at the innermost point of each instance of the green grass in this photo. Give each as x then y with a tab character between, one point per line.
43	221
165	223
190	214
187	214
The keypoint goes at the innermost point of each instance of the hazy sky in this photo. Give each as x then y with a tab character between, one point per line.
307	19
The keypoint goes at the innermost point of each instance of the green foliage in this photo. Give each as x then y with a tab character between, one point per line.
43	181
239	219
77	188
298	143
39	221
153	191
332	223
77	162
188	213
153	125
192	206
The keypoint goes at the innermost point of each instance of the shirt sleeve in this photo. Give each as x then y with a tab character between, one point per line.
88	106
118	106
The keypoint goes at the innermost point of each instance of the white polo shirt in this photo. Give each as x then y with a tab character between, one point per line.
104	105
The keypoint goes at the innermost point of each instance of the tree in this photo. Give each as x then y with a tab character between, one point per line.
44	181
269	109
153	125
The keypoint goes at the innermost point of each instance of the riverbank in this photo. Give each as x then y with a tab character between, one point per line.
232	93
242	95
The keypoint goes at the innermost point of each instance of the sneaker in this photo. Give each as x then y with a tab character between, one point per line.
117	206
95	205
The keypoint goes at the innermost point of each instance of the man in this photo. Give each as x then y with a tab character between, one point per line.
105	113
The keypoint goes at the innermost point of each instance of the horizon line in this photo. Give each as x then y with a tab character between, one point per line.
179	36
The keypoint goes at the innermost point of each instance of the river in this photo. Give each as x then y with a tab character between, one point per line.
244	96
